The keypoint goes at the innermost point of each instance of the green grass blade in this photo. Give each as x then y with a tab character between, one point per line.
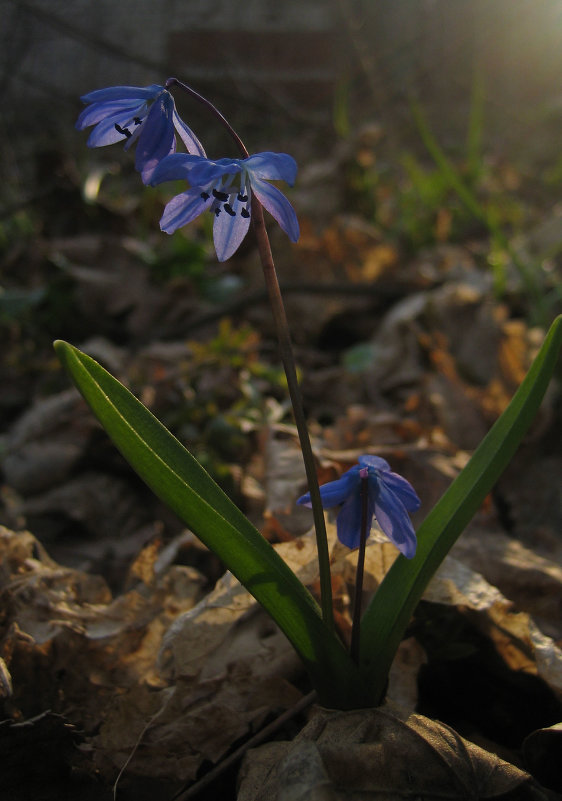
180	481
529	275
389	613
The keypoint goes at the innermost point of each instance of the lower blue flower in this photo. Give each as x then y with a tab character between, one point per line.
390	499
145	116
225	187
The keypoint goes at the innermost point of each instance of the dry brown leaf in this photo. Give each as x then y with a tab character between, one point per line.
378	259
541	751
531	581
285	478
380	754
86	499
517	638
57	619
530	490
227	665
42	447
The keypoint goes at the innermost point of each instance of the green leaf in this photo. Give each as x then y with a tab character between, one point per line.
180	481
390	611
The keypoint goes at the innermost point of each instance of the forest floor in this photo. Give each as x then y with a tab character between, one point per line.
412	329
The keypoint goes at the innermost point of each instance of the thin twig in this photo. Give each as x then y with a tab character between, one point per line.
257	739
133	752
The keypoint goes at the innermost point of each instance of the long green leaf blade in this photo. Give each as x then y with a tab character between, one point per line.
389	612
180	481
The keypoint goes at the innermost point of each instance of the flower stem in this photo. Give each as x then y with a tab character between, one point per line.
287	357
356	625
214	111
288	360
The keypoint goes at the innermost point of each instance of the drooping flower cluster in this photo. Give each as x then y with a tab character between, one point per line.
147	117
225	187
390	499
143	116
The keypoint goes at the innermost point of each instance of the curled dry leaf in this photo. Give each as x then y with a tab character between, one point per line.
67	644
516	636
227	666
379	754
43	446
533	582
541	751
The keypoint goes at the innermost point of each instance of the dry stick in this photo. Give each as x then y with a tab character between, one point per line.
257	739
356	625
288	360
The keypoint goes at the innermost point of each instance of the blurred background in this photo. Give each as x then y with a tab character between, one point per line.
298	61
427	136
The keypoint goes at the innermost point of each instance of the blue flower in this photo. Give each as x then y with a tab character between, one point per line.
225	187
146	116
390	498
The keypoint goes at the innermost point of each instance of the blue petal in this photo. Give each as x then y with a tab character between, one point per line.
182	209
99	111
402	489
207	171
336	492
277	205
393	519
229	230
191	142
105	132
348	523
175	167
272	167
374	461
122	93
156	139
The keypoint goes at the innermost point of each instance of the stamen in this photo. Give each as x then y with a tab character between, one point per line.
123	131
229	210
205	195
220	195
245	213
137	120
242	198
217	211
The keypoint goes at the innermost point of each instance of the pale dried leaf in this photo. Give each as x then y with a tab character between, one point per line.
517	638
56	618
228	664
379	754
531	581
42	447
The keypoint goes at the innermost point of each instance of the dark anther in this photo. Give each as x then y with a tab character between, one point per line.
220	195
242	198
245	213
137	120
205	195
125	131
217	211
229	210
